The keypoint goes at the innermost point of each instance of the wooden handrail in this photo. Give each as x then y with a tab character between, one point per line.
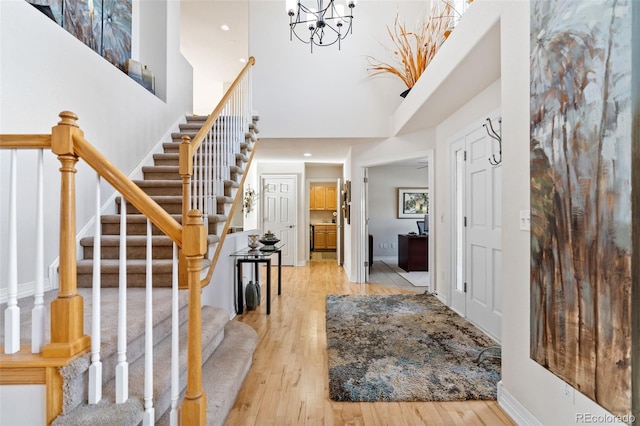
25	141
128	189
199	138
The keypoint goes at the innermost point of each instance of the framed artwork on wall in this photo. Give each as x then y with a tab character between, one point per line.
413	203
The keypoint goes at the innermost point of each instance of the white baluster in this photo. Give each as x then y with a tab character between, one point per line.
175	341
39	312
95	370
205	173
211	199
12	313
149	411
122	368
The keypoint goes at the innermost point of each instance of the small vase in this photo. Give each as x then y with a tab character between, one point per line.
405	93
253	241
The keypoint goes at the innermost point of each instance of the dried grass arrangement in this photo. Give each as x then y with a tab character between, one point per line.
414	50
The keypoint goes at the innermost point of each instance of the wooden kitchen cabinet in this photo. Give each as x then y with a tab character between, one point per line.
317	200
331	198
323	198
332	240
324	237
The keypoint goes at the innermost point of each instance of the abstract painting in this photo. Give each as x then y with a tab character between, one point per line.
581	222
413	202
103	25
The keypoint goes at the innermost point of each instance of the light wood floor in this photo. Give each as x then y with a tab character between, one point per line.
288	381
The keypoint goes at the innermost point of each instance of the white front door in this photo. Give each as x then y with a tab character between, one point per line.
483	236
279	212
476	231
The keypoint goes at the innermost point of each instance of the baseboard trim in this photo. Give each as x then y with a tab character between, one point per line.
515	409
24	290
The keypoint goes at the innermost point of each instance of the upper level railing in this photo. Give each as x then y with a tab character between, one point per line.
202	165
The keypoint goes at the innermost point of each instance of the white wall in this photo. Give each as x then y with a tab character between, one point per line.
221	290
384	224
327	93
45	70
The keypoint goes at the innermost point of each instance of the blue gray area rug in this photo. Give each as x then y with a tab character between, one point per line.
405	347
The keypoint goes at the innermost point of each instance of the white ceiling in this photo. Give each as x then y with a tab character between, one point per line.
209	48
217	53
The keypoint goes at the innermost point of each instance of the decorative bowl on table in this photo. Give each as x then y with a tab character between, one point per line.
268	241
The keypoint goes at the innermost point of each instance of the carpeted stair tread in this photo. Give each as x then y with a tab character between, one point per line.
213	320
138	240
236	169
213	333
158	183
199	118
224	200
74	374
136	218
224	372
106	413
136	272
162	246
137	224
133	265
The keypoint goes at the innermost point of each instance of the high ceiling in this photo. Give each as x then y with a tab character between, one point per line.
217	53
206	45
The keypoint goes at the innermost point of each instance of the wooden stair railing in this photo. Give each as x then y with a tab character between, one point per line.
236	105
236	102
67	141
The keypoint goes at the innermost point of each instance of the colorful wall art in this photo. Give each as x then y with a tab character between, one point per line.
581	221
103	25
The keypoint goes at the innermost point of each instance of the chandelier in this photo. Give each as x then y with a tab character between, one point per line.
327	25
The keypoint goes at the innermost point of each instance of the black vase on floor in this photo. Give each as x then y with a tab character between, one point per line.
405	93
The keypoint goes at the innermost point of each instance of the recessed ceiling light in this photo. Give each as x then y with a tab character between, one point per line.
224	27
307	154
243	60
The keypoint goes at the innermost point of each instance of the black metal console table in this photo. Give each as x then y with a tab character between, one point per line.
257	256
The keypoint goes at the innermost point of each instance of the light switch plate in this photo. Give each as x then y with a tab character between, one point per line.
525	220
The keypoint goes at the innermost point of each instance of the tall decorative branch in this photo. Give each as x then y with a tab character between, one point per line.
413	50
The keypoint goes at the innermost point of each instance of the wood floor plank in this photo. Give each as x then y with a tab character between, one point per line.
288	381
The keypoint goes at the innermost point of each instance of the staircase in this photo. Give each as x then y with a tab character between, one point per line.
163	183
227	346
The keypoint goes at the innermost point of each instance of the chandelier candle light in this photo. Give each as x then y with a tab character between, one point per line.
325	23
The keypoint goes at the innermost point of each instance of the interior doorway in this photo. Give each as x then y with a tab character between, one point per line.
383	223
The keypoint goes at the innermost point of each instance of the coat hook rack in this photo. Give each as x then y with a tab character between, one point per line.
497	136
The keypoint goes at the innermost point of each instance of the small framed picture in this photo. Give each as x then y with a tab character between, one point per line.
413	203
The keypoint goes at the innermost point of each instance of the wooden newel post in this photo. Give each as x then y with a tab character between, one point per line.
194	247
67	311
185	168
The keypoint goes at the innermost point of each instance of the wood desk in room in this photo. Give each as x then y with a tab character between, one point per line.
413	252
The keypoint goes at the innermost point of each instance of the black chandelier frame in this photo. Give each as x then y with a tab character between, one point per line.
328	23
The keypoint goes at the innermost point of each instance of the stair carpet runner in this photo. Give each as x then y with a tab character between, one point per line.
227	346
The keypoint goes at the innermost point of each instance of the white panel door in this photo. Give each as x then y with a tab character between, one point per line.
279	213
483	234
